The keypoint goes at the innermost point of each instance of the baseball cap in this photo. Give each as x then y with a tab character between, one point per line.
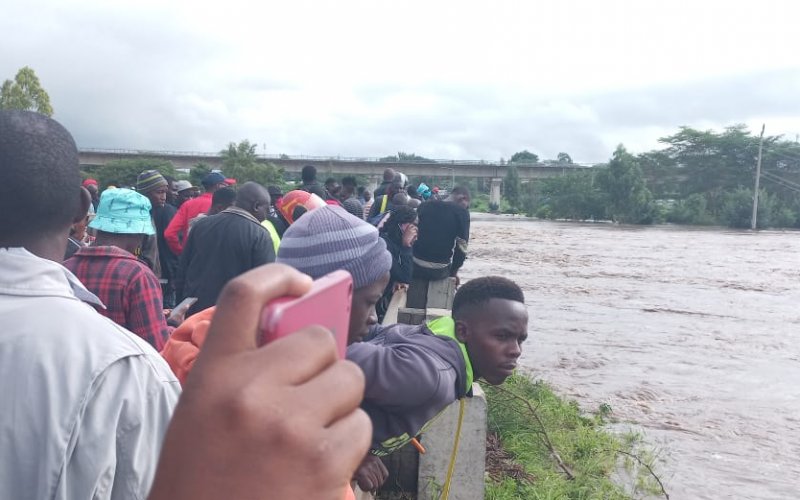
212	179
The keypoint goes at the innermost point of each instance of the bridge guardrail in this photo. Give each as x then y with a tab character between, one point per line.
440	162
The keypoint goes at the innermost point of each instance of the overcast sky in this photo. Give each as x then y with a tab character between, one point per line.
443	79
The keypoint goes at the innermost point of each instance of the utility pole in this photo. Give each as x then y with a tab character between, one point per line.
754	220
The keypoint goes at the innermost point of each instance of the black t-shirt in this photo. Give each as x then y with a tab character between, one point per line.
440	223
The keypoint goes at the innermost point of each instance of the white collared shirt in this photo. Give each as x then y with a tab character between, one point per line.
84	404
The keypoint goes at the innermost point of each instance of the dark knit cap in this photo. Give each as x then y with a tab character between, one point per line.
353	206
150	180
328	238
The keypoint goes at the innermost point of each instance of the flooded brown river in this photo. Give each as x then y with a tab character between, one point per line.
691	335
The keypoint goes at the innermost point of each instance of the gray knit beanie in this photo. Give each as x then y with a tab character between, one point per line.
328	238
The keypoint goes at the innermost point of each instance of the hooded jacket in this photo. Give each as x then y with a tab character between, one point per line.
412	373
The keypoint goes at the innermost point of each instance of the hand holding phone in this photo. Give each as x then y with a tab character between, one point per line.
178	314
326	304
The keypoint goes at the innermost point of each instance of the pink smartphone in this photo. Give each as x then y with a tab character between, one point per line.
327	304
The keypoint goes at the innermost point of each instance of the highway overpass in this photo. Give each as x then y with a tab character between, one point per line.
370	167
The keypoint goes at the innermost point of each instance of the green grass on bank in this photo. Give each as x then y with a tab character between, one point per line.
591	454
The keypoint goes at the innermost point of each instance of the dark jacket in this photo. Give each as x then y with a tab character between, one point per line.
162	216
411	376
381	190
375	209
221	247
402	261
401	272
443	233
315	188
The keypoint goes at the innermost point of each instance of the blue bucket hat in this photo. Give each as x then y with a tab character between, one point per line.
122	211
424	191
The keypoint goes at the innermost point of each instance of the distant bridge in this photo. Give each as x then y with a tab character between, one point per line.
371	167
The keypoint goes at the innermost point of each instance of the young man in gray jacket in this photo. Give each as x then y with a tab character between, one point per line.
414	372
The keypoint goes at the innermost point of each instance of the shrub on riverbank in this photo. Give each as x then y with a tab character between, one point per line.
563	453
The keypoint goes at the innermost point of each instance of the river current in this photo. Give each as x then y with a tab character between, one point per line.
692	336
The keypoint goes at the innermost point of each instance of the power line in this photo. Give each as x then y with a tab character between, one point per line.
781	181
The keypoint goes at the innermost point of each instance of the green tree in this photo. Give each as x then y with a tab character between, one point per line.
737	208
197	173
692	210
123	173
25	92
710	161
524	156
512	188
564	158
241	162
402	157
627	198
572	196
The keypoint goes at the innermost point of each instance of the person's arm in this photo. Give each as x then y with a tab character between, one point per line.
402	262
375	209
405	266
145	314
405	258
400	376
176	226
462	239
280	421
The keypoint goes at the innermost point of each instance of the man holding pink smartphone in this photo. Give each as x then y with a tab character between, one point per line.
322	241
331	246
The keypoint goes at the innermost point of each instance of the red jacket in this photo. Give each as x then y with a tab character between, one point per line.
179	227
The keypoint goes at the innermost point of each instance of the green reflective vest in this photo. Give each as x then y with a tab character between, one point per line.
273	233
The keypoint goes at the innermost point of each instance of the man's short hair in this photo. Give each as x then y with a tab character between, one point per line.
40	191
349	181
481	290
223	197
460	191
388	175
308	174
400	199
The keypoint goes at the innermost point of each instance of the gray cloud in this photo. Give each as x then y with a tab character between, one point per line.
145	79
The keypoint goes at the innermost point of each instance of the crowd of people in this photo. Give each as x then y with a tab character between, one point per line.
111	391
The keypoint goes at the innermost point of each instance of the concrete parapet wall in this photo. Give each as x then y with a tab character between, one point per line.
470	464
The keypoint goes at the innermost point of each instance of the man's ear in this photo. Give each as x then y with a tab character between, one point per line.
462	331
83	206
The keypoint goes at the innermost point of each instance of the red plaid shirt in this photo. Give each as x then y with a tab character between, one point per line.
128	288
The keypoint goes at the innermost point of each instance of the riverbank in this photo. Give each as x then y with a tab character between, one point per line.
542	446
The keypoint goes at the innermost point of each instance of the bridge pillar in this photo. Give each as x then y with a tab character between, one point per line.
494	191
372	185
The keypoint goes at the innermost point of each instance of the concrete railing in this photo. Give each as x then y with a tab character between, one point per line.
470	461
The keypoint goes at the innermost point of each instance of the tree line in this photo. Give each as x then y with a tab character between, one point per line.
699	177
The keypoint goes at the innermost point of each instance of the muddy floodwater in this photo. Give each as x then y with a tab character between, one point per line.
691	335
